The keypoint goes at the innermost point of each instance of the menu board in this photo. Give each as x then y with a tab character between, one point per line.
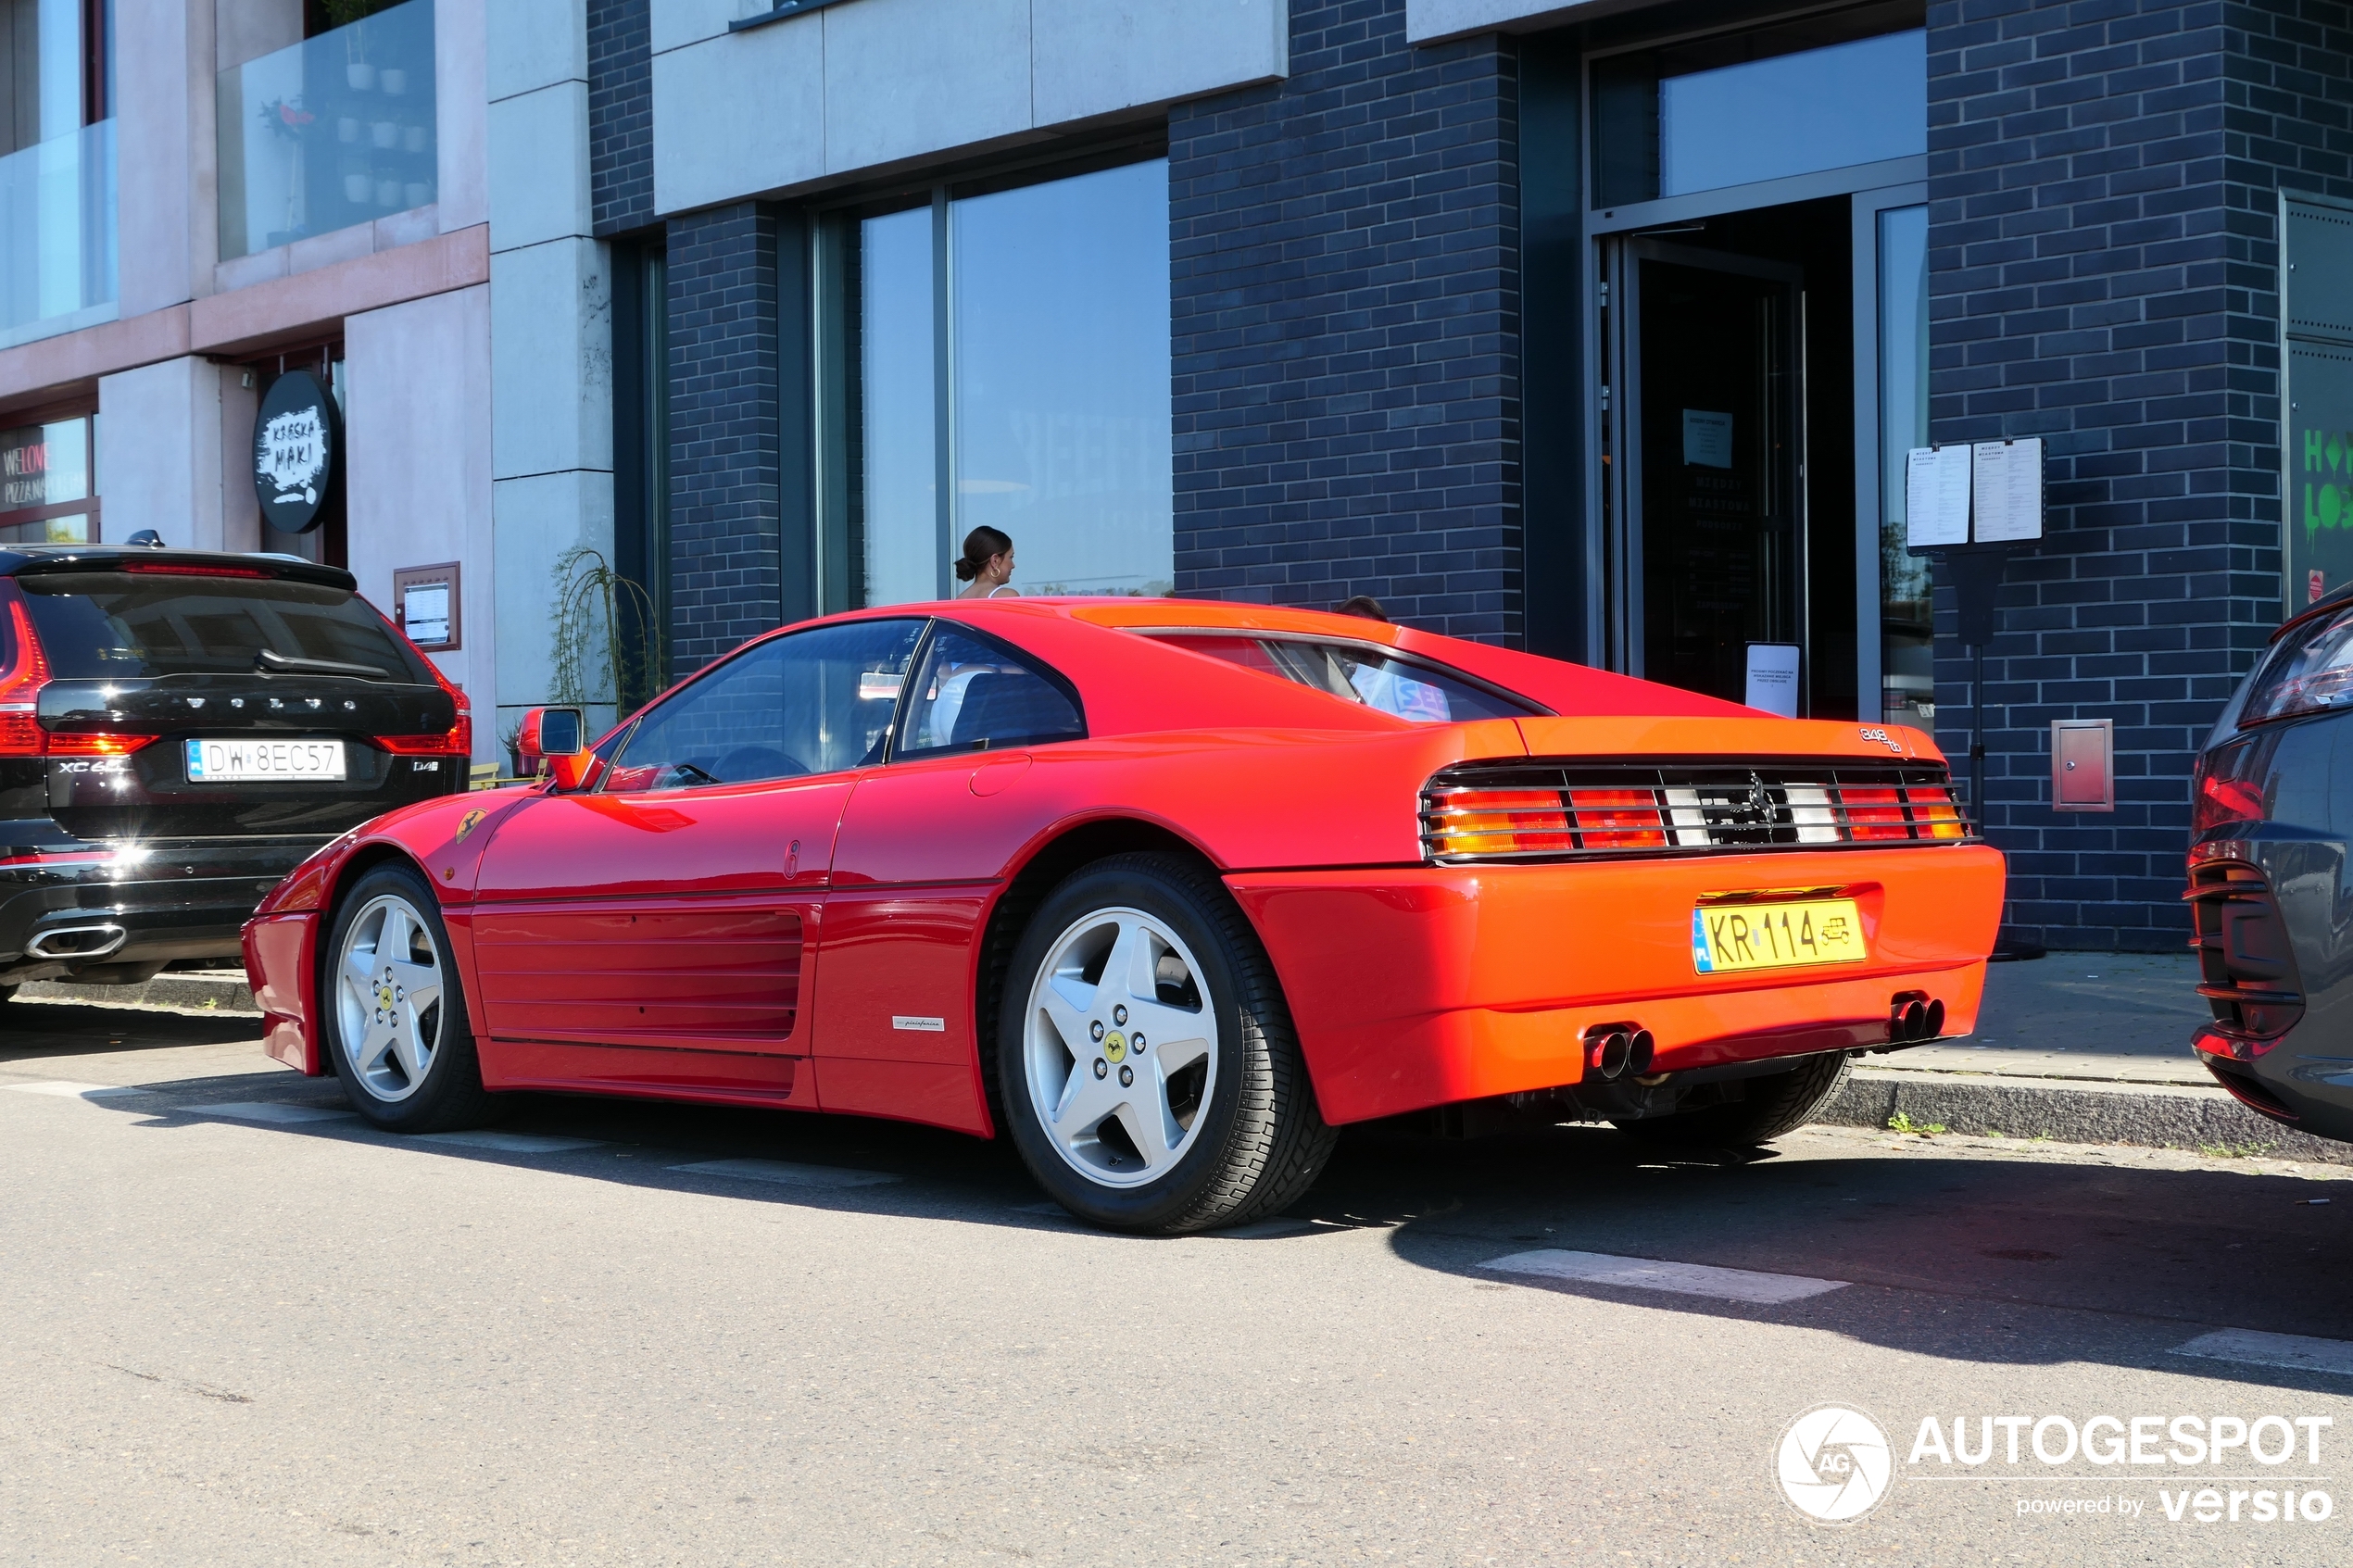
2007	479
1936	486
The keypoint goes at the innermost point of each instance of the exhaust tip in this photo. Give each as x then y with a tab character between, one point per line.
1915	1020
1935	1020
76	941
1608	1054
1639	1052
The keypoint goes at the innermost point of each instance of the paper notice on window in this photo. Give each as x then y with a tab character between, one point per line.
1707	439
1773	678
1936	497
424	613
2008	480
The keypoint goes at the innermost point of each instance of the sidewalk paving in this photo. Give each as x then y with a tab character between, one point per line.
2082	1047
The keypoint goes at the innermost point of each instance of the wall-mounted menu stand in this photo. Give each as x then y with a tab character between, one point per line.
1967	508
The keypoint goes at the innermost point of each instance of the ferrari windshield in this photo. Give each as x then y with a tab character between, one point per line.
1360	672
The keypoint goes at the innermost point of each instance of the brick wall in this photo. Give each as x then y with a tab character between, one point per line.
726	567
2104	274
621	115
1345	294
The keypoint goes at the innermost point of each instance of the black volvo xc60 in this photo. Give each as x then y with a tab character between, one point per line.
178	730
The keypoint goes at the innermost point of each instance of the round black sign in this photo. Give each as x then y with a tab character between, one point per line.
297	452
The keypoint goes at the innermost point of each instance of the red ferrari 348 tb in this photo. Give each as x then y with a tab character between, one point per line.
1167	890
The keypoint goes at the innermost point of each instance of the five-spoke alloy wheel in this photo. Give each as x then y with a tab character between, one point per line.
393	1010
1151	1076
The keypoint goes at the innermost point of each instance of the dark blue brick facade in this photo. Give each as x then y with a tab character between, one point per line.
621	115
2103	257
726	567
1345	275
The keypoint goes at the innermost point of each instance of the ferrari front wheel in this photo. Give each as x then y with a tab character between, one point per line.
1152	1078
393	1012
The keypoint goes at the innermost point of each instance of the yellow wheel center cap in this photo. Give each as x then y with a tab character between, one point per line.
1115	1046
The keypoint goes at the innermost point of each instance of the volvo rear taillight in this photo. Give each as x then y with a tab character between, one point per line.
28	671
458	740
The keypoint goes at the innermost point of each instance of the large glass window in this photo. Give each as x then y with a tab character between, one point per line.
58	255
1907	677
47	482
337	129
1822	92
974	693
1001	359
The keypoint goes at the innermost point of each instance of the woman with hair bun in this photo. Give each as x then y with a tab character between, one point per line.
988	564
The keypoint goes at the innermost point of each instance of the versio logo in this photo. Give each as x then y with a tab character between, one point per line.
1834	1464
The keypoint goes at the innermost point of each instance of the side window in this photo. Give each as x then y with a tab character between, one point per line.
976	696
815	702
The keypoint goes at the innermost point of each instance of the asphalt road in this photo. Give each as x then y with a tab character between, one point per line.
230	1339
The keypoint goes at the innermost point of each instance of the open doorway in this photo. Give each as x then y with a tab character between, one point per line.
1730	447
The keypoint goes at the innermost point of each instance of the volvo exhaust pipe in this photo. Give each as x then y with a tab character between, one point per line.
77	941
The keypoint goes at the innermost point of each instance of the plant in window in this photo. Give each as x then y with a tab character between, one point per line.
592	649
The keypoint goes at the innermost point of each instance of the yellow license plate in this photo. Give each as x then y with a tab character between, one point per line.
1729	937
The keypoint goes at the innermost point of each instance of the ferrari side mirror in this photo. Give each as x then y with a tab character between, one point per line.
555	742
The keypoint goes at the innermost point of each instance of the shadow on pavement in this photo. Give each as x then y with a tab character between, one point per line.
1981	1254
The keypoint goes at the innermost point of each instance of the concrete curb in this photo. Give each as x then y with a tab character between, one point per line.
2149	1115
194	993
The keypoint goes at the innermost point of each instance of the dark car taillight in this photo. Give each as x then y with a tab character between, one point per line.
2308	670
2246	971
21	684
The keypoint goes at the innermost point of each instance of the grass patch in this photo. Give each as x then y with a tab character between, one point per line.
1902	1123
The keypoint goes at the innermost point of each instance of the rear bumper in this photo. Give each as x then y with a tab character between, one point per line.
171	902
1418	986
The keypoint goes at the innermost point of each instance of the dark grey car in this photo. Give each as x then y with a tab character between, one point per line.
2269	888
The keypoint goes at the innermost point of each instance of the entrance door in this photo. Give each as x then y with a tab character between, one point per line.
1711	431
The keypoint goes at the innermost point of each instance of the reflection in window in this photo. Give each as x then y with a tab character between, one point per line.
47	494
1824	91
1359	672
1046	382
1907	677
973	696
1826	108
1061	379
815	702
903	545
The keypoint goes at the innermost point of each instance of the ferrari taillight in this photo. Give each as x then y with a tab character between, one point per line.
1618	819
1502	822
1935	814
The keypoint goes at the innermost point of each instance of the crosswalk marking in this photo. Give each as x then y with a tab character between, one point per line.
2253	1348
786	1174
64	1090
265	1111
1648	1274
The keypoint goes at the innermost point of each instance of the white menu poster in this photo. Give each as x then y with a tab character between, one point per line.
1773	678
1936	497
2008	478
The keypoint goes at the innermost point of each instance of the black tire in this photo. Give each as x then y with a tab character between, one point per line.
1258	1141
1778	1103
449	1095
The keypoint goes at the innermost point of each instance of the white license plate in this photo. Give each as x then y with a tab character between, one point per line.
245	761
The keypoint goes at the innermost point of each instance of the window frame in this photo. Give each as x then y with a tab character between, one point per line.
894	751
618	739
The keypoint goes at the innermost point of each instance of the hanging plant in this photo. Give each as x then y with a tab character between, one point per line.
592	655
287	117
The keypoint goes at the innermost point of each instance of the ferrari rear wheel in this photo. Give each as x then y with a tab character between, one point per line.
392	1011
1775	1104
1151	1079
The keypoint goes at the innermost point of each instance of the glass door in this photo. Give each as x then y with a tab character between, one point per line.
1710	431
